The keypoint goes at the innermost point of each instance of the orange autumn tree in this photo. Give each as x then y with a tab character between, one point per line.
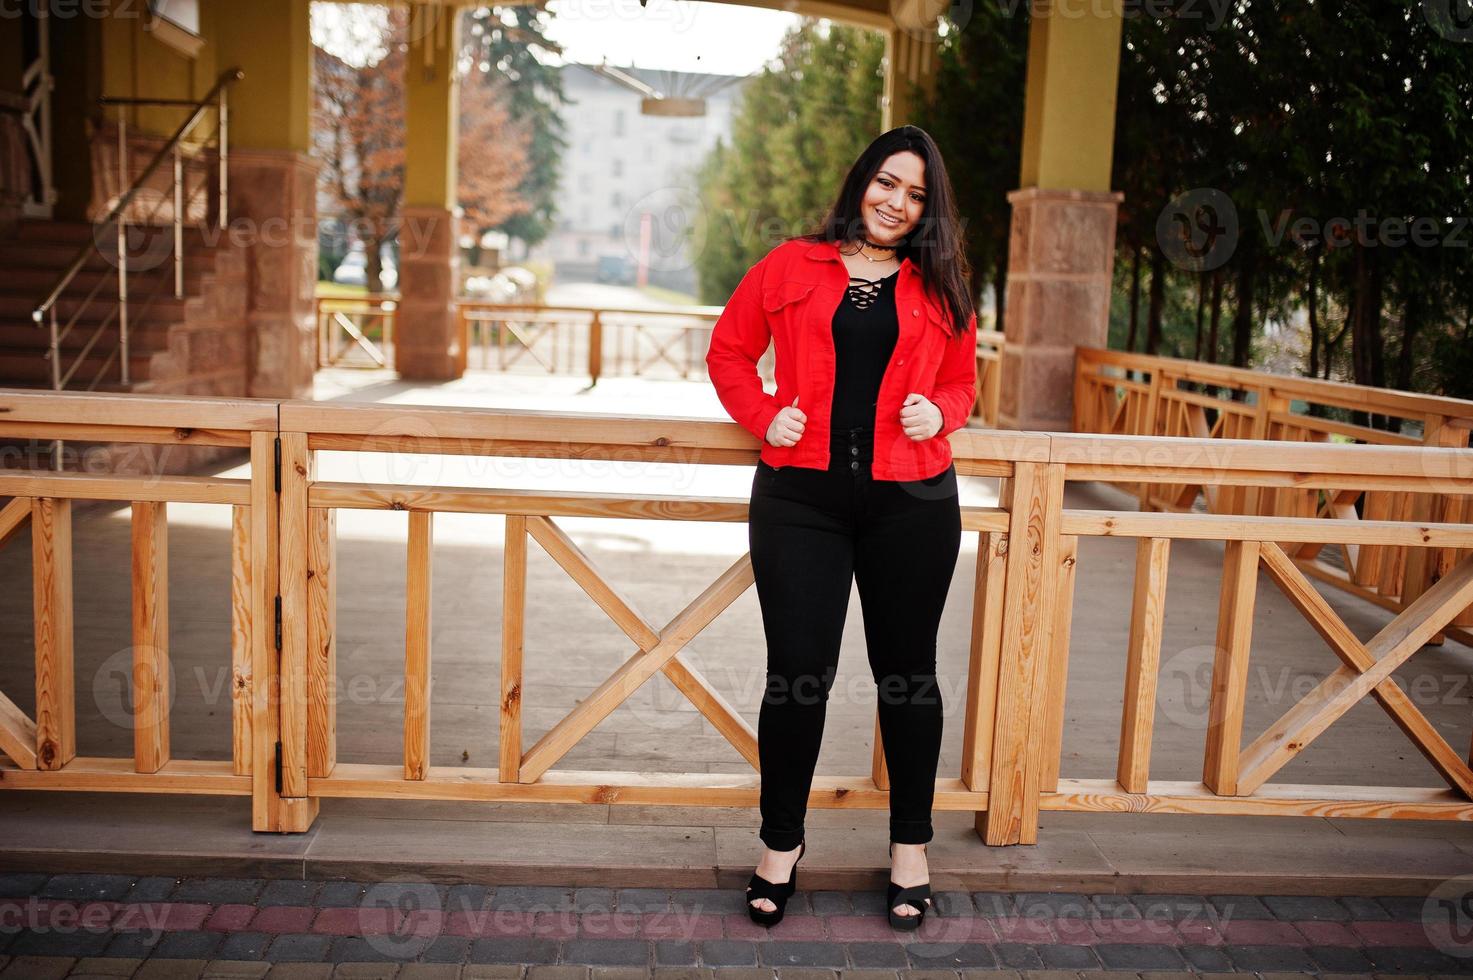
359	124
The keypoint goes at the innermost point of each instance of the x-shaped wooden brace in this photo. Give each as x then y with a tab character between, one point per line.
659	651
661	350
17	730
527	339
1365	669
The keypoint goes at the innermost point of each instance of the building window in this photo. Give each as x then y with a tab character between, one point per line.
618	122
616	167
617	200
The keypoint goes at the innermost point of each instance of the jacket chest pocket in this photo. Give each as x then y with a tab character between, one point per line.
784	302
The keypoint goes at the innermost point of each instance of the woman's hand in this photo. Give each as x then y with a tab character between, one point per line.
919	417
786	427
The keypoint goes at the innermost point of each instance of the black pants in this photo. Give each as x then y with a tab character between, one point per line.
811	534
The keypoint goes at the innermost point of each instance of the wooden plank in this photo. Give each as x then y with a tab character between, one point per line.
637	669
1034	498
513	633
417	648
51	564
322	643
1347	647
567	503
1343	687
297	472
184	412
90	774
1324	801
151	695
17	732
240	640
101	486
1236	527
1142	667
986	651
270	810
463	783
1334	576
1230	666
1058	669
106	432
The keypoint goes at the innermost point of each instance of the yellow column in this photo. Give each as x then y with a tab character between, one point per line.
428	343
1063	230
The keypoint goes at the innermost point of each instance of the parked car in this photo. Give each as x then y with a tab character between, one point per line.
617	269
353	270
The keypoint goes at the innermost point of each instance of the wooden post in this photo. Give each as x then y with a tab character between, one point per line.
322	646
877	770
51	568
278	681
981	710
1058	668
150	635
595	348
1034	498
417	648
513	615
1147	615
240	639
1230	667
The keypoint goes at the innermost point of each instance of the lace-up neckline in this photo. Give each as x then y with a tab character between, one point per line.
863	292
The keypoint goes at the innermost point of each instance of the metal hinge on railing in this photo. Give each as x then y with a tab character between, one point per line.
278	624
277	462
278	768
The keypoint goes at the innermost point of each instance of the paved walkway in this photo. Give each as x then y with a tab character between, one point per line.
237	927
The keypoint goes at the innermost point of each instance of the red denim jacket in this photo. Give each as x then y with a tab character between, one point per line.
789	298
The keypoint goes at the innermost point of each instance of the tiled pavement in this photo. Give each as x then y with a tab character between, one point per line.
75	925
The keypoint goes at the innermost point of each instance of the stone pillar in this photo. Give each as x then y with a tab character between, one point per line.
1060	261
427	343
273	213
1062	251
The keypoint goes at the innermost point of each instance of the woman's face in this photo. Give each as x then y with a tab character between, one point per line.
896	198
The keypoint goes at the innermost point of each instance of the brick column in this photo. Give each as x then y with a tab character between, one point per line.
1060	262
427	342
273	213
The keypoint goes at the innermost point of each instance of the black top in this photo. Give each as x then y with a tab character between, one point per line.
866	327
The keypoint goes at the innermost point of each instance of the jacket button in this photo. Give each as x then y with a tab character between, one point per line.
900	363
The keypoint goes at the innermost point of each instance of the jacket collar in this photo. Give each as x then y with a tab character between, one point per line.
830	250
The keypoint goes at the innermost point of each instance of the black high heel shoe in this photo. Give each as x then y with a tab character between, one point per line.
916	896
775	892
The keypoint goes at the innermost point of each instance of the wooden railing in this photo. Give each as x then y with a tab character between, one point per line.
284	649
356	331
1136	394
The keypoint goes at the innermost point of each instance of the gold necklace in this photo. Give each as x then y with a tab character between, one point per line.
860	250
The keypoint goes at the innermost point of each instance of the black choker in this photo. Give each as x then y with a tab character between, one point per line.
877	248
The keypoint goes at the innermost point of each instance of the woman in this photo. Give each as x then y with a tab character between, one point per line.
874	334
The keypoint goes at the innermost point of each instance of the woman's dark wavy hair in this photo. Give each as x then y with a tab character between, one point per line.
935	245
